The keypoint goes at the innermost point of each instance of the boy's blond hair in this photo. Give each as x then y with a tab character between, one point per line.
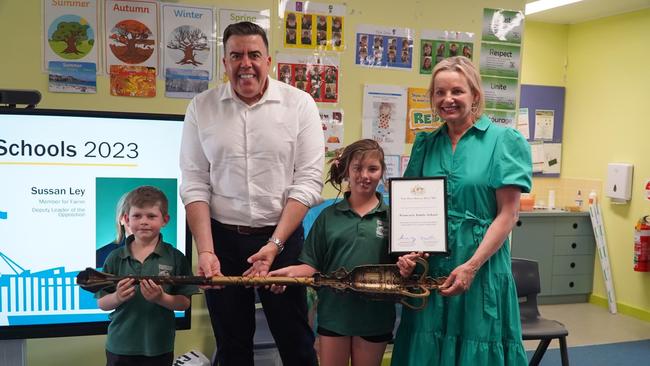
146	196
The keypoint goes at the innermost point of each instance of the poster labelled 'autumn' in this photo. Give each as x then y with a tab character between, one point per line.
188	39
70	32
131	32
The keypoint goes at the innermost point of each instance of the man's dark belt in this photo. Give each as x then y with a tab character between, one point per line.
247	230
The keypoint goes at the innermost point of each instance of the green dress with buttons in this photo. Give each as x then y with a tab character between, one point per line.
481	326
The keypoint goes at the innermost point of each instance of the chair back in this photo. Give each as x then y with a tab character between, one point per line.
526	275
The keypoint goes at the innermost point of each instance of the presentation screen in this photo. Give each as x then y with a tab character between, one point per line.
63	173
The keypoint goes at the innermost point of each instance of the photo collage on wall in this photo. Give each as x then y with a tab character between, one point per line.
319	78
312	25
384	47
437	45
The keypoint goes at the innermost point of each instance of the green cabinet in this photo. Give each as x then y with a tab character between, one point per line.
564	246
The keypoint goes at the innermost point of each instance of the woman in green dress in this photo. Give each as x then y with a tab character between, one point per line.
474	319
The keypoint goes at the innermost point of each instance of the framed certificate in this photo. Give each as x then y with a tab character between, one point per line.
418	215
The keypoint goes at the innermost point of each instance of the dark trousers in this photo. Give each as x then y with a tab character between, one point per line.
232	309
165	359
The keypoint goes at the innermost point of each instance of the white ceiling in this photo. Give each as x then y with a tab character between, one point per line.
587	10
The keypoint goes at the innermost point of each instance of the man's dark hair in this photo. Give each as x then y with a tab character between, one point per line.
245	29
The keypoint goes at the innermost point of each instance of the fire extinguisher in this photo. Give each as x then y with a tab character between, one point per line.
642	245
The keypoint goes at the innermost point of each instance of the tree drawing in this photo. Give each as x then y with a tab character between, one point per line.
72	33
131	41
188	40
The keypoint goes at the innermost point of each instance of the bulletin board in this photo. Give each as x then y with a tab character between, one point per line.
539	99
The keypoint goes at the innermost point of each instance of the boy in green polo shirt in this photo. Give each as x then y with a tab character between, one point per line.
142	327
351	232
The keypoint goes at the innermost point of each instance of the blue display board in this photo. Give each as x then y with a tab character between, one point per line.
540	97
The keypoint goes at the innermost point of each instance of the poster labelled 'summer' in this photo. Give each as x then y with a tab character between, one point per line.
313	25
316	75
72	77
384	116
70	31
188	39
260	17
384	47
436	45
131	33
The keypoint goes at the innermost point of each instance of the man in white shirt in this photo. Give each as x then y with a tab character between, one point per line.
252	160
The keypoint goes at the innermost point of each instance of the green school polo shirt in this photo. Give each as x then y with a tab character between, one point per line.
340	238
139	327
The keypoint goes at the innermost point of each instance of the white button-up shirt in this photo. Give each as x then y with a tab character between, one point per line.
245	161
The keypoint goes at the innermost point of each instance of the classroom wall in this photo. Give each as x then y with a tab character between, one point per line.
607	99
603	65
20	26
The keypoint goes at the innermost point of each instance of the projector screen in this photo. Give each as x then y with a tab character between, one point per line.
62	175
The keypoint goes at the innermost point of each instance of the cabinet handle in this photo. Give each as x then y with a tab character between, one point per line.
574	245
575	225
573	265
518	222
571	284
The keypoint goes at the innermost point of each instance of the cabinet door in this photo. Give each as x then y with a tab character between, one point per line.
575	245
571	285
573	264
532	238
573	225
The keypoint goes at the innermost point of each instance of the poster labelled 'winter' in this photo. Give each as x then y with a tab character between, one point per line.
131	33
188	39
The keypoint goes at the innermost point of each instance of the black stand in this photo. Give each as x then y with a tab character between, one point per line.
12	352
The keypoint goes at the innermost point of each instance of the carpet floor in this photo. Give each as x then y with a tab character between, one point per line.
635	353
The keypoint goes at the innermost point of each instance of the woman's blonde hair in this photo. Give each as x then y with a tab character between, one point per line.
465	67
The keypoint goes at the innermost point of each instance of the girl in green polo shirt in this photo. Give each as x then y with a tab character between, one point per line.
352	232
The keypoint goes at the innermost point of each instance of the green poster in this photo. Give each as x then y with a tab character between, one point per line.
505	118
502	25
500	93
498	59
